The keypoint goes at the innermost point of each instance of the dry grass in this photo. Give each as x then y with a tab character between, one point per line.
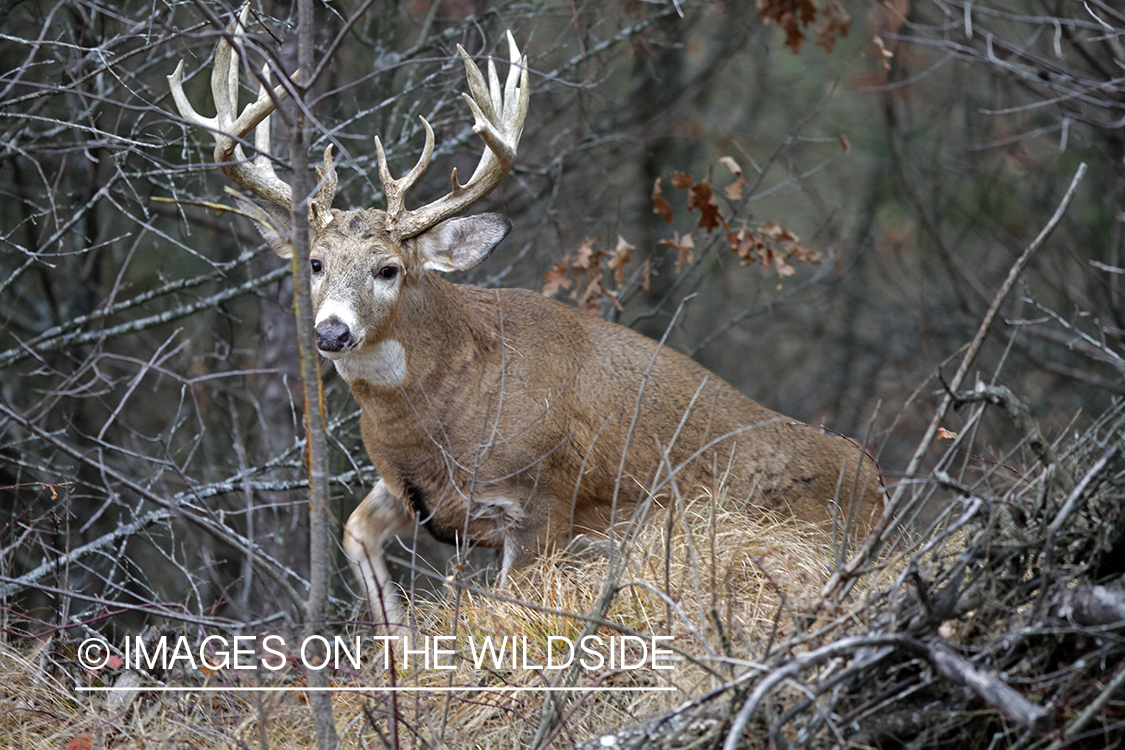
1002	626
722	584
719	598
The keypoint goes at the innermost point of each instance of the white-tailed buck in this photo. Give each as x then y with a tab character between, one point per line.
497	416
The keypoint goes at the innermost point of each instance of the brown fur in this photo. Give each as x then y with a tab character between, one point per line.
507	415
542	412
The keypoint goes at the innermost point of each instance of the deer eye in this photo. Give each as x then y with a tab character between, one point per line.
388	272
316	266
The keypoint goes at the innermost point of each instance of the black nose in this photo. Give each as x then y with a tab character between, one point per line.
332	336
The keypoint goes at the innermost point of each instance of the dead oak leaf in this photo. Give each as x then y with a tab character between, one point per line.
555	280
778	233
702	198
733	191
592	295
790	16
621	255
836	23
587	258
795	16
770	255
684	247
789	242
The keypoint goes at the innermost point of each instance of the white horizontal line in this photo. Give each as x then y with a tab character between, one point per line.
403	689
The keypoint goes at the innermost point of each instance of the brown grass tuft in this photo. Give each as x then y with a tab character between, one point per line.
721	584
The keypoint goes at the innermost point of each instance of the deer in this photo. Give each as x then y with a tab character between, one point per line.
497	416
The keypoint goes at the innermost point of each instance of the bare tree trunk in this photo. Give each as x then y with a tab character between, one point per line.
315	427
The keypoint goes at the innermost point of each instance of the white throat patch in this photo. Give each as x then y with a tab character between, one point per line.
383	364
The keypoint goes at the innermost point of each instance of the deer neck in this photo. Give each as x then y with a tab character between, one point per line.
432	331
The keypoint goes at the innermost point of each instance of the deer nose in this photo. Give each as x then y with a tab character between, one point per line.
333	335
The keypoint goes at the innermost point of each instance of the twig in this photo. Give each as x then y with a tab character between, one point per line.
986	685
795	667
1076	494
1092	710
986	324
52	341
216	528
875	541
11	586
1021	415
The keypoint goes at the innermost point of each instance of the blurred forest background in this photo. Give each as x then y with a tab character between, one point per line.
874	170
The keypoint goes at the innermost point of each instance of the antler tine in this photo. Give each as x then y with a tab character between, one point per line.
320	208
176	83
498	116
230	130
500	135
224	75
262	131
395	190
517	92
483	95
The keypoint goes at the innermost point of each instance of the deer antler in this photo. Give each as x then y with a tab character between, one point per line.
255	175
499	122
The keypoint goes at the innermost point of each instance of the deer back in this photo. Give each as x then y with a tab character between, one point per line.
517	403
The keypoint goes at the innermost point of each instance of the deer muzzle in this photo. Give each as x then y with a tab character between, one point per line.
333	335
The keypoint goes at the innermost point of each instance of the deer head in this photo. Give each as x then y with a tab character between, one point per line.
361	258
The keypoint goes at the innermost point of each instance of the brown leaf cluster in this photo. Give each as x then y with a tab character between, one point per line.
836	23
771	245
556	280
621	255
701	197
795	16
582	272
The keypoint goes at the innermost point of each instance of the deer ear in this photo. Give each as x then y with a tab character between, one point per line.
460	243
273	222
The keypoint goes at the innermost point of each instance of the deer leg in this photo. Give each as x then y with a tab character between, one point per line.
379	517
